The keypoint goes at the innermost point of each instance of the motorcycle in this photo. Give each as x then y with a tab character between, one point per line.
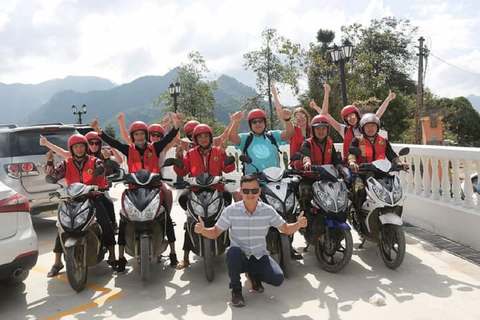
208	203
327	229
381	213
78	230
278	190
144	215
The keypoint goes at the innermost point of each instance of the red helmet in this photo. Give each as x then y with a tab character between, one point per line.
320	121
202	128
92	135
137	126
75	139
156	128
350	109
257	113
189	126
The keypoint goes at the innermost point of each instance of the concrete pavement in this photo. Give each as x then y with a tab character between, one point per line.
431	284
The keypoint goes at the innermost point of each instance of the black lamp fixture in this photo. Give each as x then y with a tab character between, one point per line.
175	90
75	111
340	56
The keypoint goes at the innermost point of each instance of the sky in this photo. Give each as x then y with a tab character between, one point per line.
122	40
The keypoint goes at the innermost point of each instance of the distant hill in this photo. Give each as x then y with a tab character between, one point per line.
475	101
23	99
135	100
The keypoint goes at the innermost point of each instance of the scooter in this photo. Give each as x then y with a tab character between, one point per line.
208	203
278	190
327	229
144	215
381	213
79	232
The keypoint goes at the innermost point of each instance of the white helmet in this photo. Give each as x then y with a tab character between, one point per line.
370	118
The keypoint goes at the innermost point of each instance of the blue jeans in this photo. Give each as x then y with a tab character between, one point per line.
264	269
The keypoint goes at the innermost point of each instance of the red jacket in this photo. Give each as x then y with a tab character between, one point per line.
149	163
370	152
296	140
347	140
317	156
195	163
84	175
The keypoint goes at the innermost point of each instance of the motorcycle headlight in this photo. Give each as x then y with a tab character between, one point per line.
275	203
213	207
342	198
151	210
326	201
382	194
147	214
64	217
290	202
195	207
82	215
397	194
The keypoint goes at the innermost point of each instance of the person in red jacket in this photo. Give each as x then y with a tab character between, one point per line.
79	168
203	158
373	146
141	154
322	151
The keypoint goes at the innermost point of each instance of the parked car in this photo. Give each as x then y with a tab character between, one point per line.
22	161
18	239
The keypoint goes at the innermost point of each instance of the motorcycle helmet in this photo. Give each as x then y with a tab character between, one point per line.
137	126
369	118
255	114
92	135
76	139
156	128
350	109
319	121
189	126
202	128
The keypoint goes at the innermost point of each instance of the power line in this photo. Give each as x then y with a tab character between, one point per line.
472	73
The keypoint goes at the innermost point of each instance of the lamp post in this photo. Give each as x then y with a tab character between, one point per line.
79	112
340	56
175	90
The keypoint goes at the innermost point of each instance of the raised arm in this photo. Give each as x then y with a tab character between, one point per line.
383	107
334	123
290	228
325	104
233	136
286	116
58	150
211	233
166	123
123	148
217	141
123	128
278	106
117	155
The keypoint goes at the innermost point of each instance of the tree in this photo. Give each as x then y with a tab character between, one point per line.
110	130
278	61
196	100
461	121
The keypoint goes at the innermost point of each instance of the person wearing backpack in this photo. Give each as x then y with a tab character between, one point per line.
259	144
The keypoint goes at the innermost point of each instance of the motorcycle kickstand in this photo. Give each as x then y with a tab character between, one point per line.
306	248
362	243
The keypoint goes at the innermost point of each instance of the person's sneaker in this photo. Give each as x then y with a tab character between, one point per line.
122	262
173	260
256	284
295	255
237	298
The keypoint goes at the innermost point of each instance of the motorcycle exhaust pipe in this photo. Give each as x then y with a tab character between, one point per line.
18	273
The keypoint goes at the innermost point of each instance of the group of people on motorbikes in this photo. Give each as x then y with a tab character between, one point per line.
247	219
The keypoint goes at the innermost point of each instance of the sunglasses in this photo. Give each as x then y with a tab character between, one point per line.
94	143
255	121
253	191
300	116
158	135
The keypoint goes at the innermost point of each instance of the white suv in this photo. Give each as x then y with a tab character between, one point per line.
18	239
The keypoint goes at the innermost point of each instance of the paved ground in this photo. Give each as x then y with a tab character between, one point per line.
431	284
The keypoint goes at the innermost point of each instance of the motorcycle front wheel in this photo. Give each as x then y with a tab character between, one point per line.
76	267
144	257
284	254
208	258
392	245
334	255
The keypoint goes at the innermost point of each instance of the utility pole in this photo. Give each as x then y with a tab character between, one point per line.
419	108
268	86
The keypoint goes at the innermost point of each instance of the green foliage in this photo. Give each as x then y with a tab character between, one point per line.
461	121
196	99
110	130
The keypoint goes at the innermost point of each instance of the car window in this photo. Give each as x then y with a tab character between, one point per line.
4	145
25	143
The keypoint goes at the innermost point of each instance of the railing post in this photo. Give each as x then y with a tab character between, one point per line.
478	181
426	177
467	187
418	176
410	177
445	181
456	182
435	179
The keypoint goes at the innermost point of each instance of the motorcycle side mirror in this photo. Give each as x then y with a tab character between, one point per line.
98	171
172	161
229	160
404	151
296	156
354	151
245	159
51	179
306	152
112	164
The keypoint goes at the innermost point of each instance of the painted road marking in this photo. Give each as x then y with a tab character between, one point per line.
109	295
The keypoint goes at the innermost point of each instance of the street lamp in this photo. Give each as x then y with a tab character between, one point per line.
340	56
79	112
175	90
